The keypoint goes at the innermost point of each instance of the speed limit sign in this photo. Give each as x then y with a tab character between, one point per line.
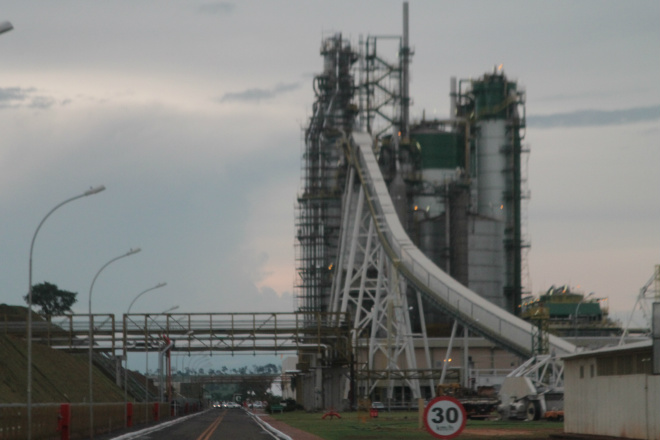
444	417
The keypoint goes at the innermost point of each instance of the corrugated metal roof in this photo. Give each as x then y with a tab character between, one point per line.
647	343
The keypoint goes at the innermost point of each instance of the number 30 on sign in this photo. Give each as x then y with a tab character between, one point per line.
444	417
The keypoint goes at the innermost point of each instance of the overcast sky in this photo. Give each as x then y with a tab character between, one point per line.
190	113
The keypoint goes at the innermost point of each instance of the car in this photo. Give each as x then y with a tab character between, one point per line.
377	405
233	405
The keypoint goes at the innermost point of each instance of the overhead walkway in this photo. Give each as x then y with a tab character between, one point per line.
193	332
464	305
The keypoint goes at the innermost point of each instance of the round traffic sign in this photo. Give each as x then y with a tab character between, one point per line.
444	417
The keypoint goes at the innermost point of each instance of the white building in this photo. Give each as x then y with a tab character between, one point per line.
613	392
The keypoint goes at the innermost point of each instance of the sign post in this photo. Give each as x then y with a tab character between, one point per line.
444	417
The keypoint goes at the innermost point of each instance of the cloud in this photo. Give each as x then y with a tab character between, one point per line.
257	95
183	186
593	94
586	118
217	8
42	102
13	97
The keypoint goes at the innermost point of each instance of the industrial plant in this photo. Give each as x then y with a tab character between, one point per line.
411	235
457	186
411	251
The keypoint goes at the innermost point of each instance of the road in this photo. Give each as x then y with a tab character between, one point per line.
214	424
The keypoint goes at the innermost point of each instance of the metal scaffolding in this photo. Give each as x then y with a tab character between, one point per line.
318	215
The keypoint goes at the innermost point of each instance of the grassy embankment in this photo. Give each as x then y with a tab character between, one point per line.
57	376
404	425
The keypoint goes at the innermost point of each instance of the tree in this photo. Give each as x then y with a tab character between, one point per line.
52	300
266	369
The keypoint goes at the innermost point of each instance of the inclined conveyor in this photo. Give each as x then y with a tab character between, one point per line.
469	308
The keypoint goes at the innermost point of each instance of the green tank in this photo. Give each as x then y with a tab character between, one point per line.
439	150
492	95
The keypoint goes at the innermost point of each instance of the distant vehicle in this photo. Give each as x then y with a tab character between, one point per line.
257	404
481	403
555	415
217	405
377	405
232	405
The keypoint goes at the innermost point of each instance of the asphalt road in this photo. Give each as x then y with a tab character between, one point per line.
214	424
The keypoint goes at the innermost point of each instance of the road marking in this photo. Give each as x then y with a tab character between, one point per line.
147	431
212	427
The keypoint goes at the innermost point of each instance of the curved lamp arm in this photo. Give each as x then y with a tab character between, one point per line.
4	27
159	285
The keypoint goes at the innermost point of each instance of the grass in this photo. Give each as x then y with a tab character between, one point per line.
404	425
57	377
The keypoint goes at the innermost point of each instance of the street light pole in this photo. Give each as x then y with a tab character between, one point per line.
157	286
91	337
89	192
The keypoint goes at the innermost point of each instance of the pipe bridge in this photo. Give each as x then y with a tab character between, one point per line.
196	332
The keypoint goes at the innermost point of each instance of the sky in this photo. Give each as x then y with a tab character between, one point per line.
191	115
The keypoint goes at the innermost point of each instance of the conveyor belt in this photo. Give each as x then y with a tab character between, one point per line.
472	310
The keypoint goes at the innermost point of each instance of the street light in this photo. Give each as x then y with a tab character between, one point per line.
157	286
91	337
89	192
171	309
146	368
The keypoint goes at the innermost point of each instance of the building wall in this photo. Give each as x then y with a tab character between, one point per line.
653	406
484	355
320	389
288	365
620	406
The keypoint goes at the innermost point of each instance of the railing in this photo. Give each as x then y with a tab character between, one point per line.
231	332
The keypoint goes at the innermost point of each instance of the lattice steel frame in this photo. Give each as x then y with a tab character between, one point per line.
368	288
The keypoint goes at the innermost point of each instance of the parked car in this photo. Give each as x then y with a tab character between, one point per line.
377	405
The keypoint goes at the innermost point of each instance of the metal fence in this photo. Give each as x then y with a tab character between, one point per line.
48	421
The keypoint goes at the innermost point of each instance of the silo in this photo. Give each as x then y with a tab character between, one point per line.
494	243
466	206
492	96
491	168
440	156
